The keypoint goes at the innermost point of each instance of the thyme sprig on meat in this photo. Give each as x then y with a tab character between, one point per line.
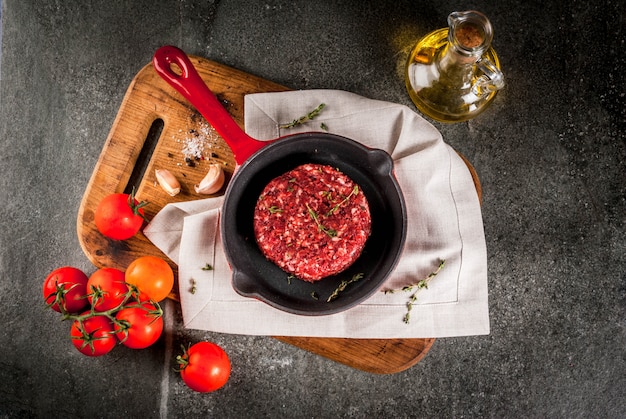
274	209
355	191
342	286
329	231
305	118
315	216
416	288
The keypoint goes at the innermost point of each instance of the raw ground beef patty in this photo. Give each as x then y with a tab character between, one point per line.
312	221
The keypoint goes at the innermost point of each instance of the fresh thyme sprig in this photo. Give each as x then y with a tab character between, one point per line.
415	288
304	118
355	191
331	232
274	209
343	286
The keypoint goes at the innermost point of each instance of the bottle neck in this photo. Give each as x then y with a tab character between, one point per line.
451	57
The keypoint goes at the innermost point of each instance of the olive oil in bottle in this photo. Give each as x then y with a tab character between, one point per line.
452	74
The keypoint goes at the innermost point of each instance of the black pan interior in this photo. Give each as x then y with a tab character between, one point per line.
255	276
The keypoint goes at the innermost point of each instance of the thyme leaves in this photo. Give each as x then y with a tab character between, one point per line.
304	118
415	288
354	191
315	216
329	231
274	209
342	286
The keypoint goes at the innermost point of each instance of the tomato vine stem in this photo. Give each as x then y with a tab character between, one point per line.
131	300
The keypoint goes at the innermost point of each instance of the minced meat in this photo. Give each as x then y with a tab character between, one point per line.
312	221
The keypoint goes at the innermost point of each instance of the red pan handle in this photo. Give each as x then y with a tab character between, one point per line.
193	88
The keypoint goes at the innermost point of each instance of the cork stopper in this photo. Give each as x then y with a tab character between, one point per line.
469	35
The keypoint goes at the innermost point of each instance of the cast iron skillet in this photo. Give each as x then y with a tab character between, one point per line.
258	162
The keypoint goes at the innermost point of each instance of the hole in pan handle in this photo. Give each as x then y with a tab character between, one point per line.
188	83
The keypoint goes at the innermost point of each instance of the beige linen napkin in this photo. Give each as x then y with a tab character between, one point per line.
444	222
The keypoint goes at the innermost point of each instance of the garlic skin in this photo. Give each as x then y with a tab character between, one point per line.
168	182
212	182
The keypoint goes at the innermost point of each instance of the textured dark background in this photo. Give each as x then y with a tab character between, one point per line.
550	153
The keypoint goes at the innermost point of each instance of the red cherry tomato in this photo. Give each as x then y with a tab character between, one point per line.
139	326
66	287
93	336
204	367
119	216
107	289
152	276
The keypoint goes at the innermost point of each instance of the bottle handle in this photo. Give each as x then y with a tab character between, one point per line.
491	80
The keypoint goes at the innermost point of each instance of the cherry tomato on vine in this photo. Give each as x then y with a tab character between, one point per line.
107	289
93	336
119	216
139	326
204	367
152	276
67	287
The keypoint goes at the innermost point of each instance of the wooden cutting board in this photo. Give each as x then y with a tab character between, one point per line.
156	128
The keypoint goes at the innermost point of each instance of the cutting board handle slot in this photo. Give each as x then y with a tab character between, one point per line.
152	139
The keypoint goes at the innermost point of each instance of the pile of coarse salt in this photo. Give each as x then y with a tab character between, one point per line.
196	141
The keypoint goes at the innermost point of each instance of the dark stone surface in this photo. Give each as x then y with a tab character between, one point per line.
550	153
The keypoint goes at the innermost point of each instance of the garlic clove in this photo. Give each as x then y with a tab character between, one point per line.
168	182
212	182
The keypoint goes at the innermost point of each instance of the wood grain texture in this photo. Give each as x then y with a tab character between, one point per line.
379	356
149	99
